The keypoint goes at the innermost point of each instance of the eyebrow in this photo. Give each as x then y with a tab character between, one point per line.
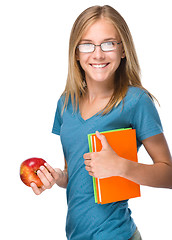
107	39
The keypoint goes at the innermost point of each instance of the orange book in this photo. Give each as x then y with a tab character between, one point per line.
112	189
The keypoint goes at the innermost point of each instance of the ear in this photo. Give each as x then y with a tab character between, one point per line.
77	55
123	54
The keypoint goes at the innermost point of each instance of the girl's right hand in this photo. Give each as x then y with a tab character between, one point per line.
48	177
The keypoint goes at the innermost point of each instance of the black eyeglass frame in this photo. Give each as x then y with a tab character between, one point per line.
100	45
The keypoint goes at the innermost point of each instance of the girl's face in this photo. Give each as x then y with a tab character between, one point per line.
100	66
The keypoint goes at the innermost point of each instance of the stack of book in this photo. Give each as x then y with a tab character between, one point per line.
113	189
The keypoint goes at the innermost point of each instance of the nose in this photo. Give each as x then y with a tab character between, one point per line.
98	53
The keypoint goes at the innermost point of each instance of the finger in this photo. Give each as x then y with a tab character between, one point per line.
35	189
44	179
47	174
87	156
87	162
52	171
103	140
91	173
88	168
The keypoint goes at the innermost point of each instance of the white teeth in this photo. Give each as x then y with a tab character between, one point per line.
99	65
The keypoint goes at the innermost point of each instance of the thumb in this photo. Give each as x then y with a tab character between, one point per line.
103	140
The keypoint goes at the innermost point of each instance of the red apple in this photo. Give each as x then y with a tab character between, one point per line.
28	171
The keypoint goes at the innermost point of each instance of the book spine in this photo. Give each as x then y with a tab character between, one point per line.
90	142
99	190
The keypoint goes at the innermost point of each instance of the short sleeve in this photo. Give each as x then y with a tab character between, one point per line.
58	118
145	118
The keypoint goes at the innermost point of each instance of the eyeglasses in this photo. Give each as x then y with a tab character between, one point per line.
105	47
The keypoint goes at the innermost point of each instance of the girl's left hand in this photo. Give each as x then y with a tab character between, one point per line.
105	163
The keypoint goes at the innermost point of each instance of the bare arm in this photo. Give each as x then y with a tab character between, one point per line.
62	181
158	174
107	163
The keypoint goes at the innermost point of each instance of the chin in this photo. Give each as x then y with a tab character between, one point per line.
102	78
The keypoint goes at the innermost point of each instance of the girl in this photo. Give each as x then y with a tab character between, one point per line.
104	92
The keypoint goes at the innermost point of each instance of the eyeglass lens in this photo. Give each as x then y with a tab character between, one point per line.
89	47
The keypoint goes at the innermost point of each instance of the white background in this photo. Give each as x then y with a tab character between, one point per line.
34	39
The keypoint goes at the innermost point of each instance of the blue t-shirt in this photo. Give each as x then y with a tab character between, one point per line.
87	220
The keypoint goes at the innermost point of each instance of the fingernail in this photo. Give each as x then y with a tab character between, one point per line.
32	184
42	168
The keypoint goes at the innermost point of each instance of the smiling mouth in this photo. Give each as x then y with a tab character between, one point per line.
103	65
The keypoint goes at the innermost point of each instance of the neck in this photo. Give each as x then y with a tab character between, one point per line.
99	90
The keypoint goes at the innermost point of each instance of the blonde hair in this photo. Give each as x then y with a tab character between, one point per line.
128	72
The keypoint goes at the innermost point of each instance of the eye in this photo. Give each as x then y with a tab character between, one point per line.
87	44
109	43
86	47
